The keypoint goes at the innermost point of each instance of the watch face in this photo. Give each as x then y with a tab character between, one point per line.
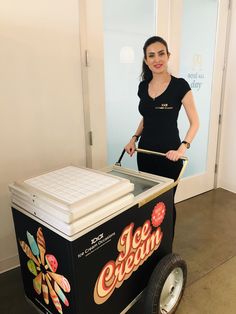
186	144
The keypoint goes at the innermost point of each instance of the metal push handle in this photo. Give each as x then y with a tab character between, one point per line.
151	152
118	163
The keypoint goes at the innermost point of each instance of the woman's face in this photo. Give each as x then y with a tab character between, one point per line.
157	58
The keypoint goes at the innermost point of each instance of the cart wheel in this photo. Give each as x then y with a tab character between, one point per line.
166	286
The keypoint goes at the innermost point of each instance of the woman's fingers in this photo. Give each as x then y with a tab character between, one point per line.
173	155
130	149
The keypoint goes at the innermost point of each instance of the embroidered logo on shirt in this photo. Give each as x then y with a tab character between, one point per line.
164	107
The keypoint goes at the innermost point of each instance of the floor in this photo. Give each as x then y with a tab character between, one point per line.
205	238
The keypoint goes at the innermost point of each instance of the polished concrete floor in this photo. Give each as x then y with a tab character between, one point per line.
205	238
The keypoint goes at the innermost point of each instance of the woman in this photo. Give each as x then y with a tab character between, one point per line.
161	96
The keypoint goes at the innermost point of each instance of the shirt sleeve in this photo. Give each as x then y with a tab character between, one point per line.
184	87
141	89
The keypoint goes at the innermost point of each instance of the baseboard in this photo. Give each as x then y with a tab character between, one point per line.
9	263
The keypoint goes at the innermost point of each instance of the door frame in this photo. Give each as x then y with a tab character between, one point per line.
92	52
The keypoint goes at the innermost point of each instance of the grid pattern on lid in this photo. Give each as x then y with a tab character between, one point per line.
72	184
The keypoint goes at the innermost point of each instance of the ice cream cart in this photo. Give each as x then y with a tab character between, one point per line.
90	242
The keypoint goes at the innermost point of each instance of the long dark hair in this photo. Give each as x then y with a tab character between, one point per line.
146	72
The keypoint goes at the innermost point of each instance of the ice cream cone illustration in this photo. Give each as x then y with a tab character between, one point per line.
61	281
41	244
51	262
32	267
32	243
60	294
28	252
45	290
53	296
37	283
46	281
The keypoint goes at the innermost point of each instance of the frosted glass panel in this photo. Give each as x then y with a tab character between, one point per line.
127	24
197	60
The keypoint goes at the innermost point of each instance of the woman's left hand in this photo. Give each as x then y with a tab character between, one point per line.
173	155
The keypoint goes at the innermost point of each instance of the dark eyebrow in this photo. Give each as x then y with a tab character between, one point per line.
153	52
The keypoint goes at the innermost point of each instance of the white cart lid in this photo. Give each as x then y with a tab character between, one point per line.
69	193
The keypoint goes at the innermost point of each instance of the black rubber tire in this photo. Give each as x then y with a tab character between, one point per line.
157	280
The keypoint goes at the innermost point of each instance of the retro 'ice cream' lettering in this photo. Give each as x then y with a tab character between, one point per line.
134	247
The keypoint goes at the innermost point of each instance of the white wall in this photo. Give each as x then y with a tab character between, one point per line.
227	168
41	115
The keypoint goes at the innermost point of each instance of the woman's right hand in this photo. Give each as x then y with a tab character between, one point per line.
130	147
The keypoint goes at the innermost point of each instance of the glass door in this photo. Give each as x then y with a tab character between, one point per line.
127	24
111	37
195	31
202	35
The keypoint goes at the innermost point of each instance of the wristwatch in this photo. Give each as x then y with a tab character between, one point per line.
136	136
187	144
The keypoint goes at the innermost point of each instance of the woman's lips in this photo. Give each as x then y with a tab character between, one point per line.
158	66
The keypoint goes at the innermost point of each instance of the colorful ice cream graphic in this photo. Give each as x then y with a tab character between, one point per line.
46	281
